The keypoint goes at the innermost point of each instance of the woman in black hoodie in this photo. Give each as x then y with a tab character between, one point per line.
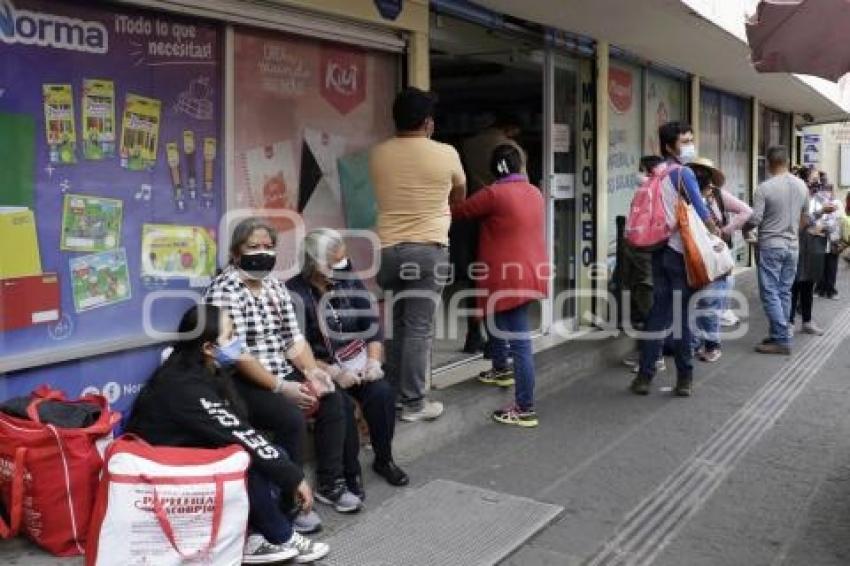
190	402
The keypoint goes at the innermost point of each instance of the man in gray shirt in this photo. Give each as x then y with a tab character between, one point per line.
779	205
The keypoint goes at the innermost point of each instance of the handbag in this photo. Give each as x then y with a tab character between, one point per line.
49	474
169	506
707	257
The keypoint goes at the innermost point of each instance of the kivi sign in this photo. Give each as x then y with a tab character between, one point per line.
50	30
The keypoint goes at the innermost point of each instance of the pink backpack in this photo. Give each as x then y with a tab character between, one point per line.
646	225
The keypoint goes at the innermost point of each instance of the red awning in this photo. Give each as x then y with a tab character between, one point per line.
808	37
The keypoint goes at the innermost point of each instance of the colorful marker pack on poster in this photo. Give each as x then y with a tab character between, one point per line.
60	131
98	119
140	132
177	251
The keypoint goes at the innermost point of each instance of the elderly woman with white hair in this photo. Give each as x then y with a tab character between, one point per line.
340	322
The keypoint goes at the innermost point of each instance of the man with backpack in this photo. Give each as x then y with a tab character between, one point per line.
670	282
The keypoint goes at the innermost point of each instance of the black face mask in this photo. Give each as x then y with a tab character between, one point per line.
258	264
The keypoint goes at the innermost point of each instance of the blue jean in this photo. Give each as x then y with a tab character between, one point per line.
670	282
777	269
709	308
268	515
518	347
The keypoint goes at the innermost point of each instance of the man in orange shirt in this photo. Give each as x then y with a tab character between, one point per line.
414	178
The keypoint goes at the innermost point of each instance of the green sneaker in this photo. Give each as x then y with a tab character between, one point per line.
497	377
513	415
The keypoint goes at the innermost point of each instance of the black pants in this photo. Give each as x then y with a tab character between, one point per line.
826	288
377	399
274	412
802	293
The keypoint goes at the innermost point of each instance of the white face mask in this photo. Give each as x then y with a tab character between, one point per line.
642	178
688	152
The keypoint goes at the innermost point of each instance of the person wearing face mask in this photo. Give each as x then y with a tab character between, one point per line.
279	374
830	224
669	276
191	402
415	179
730	214
814	238
340	321
512	247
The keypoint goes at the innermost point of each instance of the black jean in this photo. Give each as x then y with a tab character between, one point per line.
802	293
274	412
826	287
271	511
377	400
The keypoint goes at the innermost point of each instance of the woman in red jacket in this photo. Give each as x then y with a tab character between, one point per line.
512	246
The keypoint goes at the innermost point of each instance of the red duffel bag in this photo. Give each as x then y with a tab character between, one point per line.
49	474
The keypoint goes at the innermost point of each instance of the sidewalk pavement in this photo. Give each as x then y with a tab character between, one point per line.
597	452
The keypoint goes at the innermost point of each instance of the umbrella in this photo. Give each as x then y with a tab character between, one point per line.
801	36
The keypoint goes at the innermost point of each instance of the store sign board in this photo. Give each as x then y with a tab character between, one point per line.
811	149
50	30
343	78
620	89
389	9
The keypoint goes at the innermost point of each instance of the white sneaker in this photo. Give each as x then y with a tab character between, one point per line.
812	328
728	319
430	411
632	360
258	550
306	550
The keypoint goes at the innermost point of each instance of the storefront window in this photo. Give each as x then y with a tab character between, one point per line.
709	125
725	138
735	160
625	85
307	113
665	101
775	130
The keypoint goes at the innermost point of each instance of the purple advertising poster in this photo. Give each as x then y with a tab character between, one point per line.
111	182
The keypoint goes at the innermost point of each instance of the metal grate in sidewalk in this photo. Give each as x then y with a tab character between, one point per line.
443	522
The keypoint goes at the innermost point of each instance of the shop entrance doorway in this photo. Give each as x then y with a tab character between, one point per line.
482	75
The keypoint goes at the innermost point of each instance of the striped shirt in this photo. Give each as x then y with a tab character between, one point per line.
266	323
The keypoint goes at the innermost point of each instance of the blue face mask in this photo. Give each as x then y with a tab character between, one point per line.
229	354
687	153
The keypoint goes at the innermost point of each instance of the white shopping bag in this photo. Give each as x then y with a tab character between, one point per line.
707	257
169	506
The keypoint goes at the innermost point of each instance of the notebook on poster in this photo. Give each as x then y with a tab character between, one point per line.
17	159
17	225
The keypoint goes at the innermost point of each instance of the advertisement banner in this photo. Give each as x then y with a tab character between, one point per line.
624	142
665	102
306	113
91	95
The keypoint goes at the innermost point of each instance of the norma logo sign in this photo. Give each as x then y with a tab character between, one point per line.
620	89
343	80
50	30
